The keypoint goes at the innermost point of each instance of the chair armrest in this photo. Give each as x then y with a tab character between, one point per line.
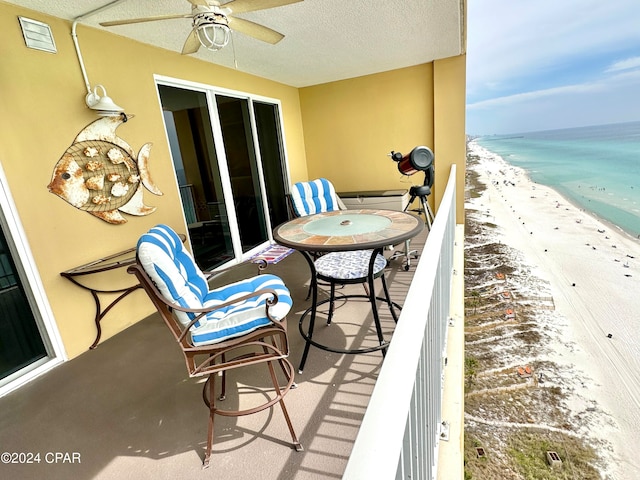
257	293
152	290
204	311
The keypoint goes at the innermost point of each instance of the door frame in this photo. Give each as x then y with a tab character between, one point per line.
211	91
30	277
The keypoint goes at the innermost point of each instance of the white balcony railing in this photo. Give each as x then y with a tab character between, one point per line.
400	432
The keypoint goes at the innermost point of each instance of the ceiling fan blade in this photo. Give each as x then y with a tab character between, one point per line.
242	6
192	44
145	19
255	30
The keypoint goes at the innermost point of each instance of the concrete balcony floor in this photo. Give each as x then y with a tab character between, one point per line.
128	409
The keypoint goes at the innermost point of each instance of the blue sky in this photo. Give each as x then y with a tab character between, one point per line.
549	64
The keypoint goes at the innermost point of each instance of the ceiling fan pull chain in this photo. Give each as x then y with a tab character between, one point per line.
233	47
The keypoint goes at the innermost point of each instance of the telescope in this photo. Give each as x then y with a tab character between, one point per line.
420	159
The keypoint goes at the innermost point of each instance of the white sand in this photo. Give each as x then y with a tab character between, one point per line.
571	247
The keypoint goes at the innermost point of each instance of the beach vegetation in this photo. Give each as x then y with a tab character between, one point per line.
528	449
510	327
474	186
470	370
475	300
556	390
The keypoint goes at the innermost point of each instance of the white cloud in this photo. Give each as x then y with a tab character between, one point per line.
513	46
629	63
510	39
533	96
611	100
608	85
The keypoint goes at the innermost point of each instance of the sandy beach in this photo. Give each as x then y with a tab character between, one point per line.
593	270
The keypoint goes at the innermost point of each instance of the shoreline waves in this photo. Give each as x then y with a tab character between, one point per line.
596	168
593	270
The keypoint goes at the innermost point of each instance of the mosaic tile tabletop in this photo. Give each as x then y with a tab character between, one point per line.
348	230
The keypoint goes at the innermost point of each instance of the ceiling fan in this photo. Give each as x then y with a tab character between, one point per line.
212	22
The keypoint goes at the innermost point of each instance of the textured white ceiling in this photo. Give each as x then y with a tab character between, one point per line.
325	40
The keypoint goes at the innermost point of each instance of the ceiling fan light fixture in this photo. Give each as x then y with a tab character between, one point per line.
213	31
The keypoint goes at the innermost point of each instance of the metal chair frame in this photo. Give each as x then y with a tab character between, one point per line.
211	360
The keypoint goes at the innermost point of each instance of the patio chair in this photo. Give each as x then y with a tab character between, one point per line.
318	196
237	325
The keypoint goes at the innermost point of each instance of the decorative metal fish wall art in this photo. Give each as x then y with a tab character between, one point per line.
98	173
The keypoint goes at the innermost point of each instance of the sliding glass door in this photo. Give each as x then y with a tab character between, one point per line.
29	339
269	132
244	172
219	143
20	341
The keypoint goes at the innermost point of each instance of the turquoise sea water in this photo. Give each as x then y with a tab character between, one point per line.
596	168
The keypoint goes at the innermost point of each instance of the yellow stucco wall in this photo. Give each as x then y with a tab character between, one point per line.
342	130
449	126
42	105
350	126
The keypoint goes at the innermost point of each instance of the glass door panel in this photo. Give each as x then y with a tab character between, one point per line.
273	165
242	164
21	343
188	125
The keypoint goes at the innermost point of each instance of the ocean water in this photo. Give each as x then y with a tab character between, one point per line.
597	168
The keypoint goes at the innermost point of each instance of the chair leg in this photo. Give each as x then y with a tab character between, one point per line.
288	372
223	391
332	299
376	317
305	354
388	297
210	383
312	320
296	443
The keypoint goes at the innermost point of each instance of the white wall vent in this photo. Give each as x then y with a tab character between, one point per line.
37	35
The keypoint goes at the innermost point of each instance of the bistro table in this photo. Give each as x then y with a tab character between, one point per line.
341	231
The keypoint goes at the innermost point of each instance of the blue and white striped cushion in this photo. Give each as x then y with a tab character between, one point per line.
172	268
244	317
314	197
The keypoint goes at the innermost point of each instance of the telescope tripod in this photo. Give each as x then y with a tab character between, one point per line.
421	192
